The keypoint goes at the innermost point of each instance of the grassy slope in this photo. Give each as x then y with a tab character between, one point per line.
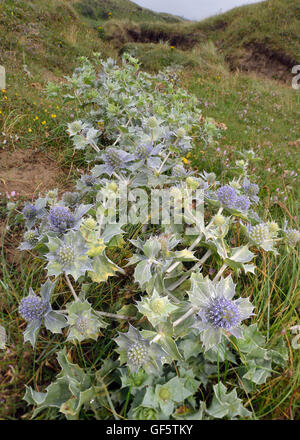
272	24
259	114
99	10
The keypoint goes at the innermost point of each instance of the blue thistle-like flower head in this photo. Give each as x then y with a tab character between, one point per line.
143	152
61	219
251	189
223	313
179	171
113	159
30	211
217	312
242	203
33	307
227	196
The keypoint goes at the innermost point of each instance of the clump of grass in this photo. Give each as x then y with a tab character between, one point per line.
154	57
120	32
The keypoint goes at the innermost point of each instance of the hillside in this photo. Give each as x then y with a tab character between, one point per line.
261	37
99	10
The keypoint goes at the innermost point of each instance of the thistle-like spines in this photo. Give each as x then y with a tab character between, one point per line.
66	254
292	236
227	196
273	227
138	354
252	189
152	122
30	237
143	152
33	307
259	233
178	171
61	219
223	313
82	324
29	211
112	158
192	183
242	203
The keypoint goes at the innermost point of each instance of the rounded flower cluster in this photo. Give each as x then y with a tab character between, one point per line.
112	158
158	305
259	233
143	152
29	211
33	307
138	354
178	171
242	203
223	313
30	237
66	254
292	237
61	219
251	189
227	196
82	324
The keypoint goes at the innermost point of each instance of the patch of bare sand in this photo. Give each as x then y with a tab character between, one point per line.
29	172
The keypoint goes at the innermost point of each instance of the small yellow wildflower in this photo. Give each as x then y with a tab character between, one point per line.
36	118
53	116
188	155
30	130
44	122
184	159
3	90
172	47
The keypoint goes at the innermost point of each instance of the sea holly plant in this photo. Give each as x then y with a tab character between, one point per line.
37	310
186	343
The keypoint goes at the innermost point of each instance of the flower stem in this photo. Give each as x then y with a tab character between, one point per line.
185	316
71	287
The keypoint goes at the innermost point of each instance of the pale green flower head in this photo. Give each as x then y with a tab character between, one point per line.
83	321
138	353
156	308
261	235
68	255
